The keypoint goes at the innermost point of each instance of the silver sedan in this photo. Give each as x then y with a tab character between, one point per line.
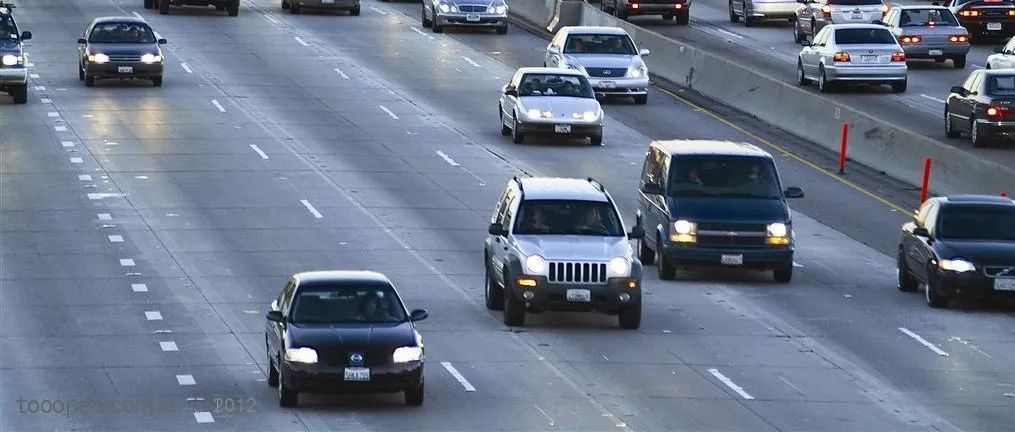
550	101
853	53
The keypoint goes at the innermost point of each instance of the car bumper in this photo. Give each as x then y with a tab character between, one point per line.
923	51
619	86
658	9
107	70
316	378
754	258
333	4
604	297
13	76
973	284
980	28
548	128
871	74
995	129
773	9
462	19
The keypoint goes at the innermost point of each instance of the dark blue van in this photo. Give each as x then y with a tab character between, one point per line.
714	204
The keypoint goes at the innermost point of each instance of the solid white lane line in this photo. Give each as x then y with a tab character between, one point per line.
311	209
421	32
127	262
932	98
458	376
168	346
116	239
77	160
52	114
552	422
447	158
795	388
341	74
186	380
260	152
60	128
729	383
153	315
204	417
385	109
218	105
139	287
67	143
137	14
469	61
84	177
301	41
378	10
923	342
186	68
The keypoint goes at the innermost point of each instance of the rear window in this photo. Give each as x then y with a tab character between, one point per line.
926	17
853	36
1001	85
854	2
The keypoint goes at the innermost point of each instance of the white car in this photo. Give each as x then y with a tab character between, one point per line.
550	101
1003	57
607	55
853	53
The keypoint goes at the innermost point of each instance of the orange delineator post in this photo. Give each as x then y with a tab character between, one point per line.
926	180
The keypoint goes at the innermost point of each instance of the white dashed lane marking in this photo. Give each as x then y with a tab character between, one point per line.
67	143
729	383
341	74
458	376
260	152
84	177
186	68
168	346
116	239
923	342
301	41
204	417
139	287
311	209
447	158
153	315
186	380
127	262
391	114
104	216
218	105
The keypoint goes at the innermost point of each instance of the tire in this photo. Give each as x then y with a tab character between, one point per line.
734	18
801	78
949	131
974	134
294	8
906	283
493	293
630	317
641	99
665	268
89	81
423	20
934	299
414	395
823	85
157	81
285	4
899	87
516	136
684	17
514	309
354	11
163	7
233	8
959	62
20	94
646	255
149	4
272	372
503	29
287	398
797	37
783	275
596	140
81	72
436	26
749	21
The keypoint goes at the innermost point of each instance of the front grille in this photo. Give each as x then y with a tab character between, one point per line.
577	272
124	59
340	356
606	72
472	8
713	240
726	227
999	271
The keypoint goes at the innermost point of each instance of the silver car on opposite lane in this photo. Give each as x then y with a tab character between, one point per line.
853	53
606	55
550	101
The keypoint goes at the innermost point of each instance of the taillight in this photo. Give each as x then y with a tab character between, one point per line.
969	13
958	38
826	10
678	6
840	57
996	112
1011	12
910	39
634	5
899	57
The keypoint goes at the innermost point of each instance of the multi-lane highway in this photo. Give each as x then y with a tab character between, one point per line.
145	231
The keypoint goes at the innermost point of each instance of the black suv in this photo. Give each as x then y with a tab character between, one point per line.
715	203
232	7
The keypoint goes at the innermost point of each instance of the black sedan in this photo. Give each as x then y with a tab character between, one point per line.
983	107
343	332
120	47
960	245
985	19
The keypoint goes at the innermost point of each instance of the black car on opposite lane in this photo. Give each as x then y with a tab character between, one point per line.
120	47
983	107
959	245
13	66
343	332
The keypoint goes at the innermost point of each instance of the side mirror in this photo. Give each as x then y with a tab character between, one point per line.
496	229
26	35
999	49
960	91
637	233
644	52
652	189
552	49
275	316
163	41
921	232
806	43
82	41
418	315
510	91
793	192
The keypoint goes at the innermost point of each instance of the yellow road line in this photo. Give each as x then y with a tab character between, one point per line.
788	153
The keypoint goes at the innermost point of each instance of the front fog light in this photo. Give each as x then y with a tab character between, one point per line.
624	297
535	264
301	355
11	60
620	266
957	265
528	295
407	354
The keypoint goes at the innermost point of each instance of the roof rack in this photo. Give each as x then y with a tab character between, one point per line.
596	184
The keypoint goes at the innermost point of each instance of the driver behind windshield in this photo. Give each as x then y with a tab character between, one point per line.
7	30
375	309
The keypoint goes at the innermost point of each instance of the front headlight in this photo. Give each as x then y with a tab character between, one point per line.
12	60
620	267
957	265
407	354
301	355
577	68
637	72
444	7
151	58
777	234
684	231
98	58
535	265
536	113
500	10
587	115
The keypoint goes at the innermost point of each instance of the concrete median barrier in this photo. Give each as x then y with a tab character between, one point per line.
886	147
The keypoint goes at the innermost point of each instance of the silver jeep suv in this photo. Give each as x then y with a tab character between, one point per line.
559	244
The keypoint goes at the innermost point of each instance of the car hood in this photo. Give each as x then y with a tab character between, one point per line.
574	247
560	106
981	252
123	49
334	343
732	210
604	60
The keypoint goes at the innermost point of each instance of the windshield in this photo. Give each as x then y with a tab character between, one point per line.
977	223
723	176
555	85
561	217
1001	85
347	303
8	30
599	44
852	36
121	33
927	17
855	2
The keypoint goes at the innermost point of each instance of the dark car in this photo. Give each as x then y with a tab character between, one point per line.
983	107
715	203
232	7
986	19
13	70
960	245
343	332
120	47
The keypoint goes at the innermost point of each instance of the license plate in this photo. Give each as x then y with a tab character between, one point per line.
472	18
125	69
857	16
562	128
732	259
607	84
357	374
579	295
869	58
1004	284
993	26
936	52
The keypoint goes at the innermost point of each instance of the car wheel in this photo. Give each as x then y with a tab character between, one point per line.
641	99
502	29
89	81
683	17
81	72
220	8
148	4
286	396
426	22
233	9
749	21
797	37
906	283
20	94
784	275
516	134
354	11
493	293
899	86
436	25
974	134
646	255
959	62
823	85
294	7
934	298
514	309
665	268
733	15
800	76
414	395
630	316
814	29
949	131
272	372
157	81
596	140
285	4
163	7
